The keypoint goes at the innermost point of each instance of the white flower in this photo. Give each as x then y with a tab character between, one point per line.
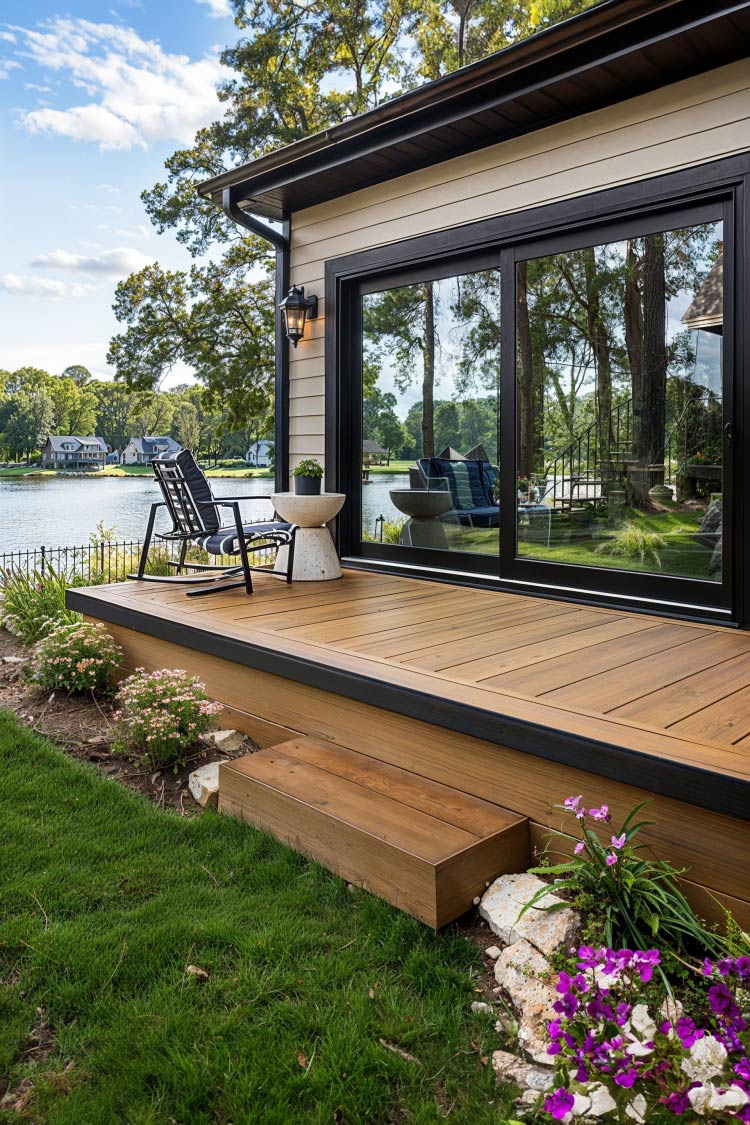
638	1050
705	1099
640	1021
707	1058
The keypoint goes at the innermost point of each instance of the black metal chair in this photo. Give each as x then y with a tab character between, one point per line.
194	509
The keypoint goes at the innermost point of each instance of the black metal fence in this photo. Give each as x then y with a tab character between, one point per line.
108	560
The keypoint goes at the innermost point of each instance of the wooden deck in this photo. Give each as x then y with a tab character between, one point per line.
570	698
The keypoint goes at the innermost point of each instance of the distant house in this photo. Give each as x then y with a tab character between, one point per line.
374	454
259	454
69	451
141	450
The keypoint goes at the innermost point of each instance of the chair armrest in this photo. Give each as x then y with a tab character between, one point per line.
257	496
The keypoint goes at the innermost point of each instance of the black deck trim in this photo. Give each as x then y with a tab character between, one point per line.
680	781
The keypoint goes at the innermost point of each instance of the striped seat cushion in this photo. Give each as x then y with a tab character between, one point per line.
224	541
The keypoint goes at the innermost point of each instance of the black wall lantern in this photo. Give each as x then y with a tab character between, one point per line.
295	309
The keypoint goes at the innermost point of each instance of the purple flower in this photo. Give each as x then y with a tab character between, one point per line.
579	847
687	1032
559	1103
611	859
619	841
600	814
572	803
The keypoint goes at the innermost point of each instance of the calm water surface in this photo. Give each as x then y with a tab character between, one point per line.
63	512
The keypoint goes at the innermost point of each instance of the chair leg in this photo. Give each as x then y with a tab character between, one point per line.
183	553
147	541
243	548
290	558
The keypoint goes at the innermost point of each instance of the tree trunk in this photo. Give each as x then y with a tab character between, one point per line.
600	346
525	376
428	377
650	448
634	335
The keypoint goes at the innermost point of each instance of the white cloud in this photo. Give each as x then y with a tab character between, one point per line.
22	286
137	92
7	36
6	65
219	9
39	89
110	188
140	231
119	262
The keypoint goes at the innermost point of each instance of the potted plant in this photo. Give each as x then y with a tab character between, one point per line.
307	478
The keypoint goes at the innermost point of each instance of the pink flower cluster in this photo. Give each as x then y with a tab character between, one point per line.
616	844
79	657
162	714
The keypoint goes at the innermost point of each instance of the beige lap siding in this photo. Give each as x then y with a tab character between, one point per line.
688	123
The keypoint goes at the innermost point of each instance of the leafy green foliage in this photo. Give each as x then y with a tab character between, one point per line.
107	899
33	603
78	658
634	542
309	468
639	900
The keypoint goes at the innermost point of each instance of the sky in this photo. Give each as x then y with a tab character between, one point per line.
93	98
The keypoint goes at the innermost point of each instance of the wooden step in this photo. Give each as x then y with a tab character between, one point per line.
421	845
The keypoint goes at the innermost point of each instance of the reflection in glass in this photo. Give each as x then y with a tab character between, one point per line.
619	404
430	417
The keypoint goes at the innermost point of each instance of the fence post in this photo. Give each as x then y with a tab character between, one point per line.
43	557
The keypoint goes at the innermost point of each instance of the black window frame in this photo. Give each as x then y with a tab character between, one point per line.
582	220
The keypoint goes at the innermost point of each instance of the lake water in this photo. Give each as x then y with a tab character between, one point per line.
64	511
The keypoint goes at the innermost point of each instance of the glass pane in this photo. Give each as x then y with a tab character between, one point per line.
430	418
619	404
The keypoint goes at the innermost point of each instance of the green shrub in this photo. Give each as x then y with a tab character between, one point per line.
34	603
309	468
162	715
641	905
634	542
77	658
391	532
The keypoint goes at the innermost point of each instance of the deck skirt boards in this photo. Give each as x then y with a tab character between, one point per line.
426	848
552	680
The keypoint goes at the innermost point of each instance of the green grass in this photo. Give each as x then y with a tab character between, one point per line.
683	555
107	899
130	471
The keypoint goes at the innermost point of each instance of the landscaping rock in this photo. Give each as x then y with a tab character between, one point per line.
493	952
13	659
480	1006
227	741
521	970
527	1076
203	783
503	902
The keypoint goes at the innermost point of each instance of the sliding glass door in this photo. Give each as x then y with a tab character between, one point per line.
555	413
622	413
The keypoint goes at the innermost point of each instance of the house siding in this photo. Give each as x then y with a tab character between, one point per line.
685	124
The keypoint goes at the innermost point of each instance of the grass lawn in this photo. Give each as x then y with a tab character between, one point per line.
106	899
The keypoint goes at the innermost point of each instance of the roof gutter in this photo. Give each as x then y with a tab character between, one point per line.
280	241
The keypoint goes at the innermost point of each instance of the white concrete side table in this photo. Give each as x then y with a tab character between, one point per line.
315	558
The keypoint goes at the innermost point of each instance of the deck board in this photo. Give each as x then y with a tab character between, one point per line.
675	691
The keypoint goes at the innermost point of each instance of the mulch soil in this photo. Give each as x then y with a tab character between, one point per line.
82	727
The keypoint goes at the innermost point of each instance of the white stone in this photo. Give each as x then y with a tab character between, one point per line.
203	783
493	952
522	971
509	1068
480	1006
602	1101
14	660
227	741
503	902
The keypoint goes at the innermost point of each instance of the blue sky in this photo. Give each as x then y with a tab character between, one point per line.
93	98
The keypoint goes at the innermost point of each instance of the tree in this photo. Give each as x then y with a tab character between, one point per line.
114	404
298	68
78	373
151	413
186	426
27	422
74	406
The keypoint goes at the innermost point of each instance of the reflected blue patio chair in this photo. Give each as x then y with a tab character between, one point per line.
194	512
471	485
